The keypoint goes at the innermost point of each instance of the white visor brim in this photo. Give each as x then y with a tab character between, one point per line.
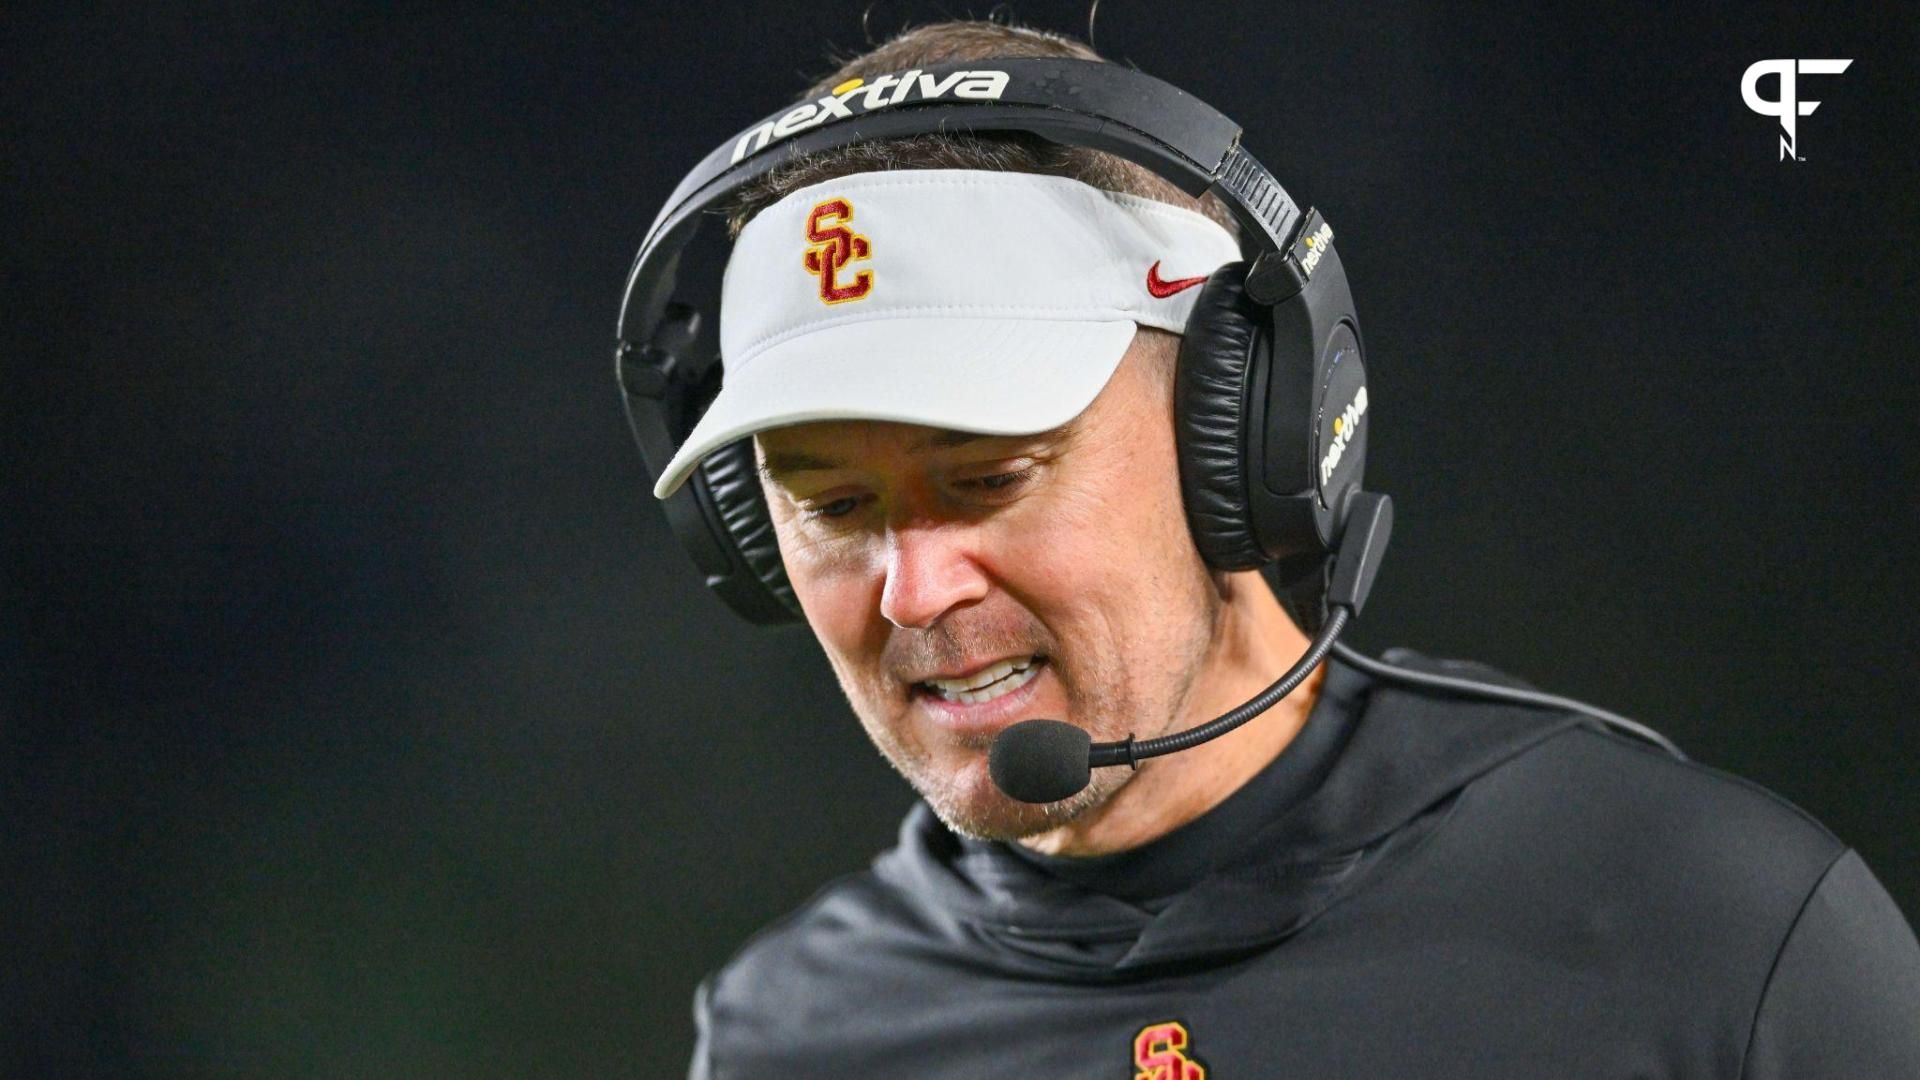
984	376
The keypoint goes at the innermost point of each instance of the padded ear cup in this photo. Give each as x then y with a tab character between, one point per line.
1224	337
734	485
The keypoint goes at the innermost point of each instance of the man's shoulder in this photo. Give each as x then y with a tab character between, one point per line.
1592	787
1614	814
844	928
1590	768
1683	807
769	988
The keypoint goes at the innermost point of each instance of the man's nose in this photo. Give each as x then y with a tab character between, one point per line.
929	573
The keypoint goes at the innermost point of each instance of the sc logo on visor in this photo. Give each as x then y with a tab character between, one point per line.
831	244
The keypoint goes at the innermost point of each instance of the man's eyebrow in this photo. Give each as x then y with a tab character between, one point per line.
780	463
944	438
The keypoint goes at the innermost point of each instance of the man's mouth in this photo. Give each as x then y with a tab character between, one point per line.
993	681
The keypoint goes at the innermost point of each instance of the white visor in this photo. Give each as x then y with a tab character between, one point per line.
987	302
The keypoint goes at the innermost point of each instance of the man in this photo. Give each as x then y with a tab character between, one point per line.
1370	879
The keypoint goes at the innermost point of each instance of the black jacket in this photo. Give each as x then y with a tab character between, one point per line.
1419	886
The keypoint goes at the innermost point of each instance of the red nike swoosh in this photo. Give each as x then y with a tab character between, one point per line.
1165	289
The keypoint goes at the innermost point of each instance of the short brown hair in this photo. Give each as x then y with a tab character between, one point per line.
1001	151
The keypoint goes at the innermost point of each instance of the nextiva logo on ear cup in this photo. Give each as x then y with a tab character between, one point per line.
1340	419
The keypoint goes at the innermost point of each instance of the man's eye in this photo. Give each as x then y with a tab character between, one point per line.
1004	481
837	508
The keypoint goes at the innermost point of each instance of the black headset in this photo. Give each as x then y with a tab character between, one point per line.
1270	401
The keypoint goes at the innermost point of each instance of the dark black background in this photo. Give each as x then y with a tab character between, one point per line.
361	715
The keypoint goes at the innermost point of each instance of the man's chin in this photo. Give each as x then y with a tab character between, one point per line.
967	802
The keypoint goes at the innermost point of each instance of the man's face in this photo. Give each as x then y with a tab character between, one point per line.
1058	566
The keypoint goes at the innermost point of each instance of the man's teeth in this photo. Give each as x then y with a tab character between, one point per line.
991	682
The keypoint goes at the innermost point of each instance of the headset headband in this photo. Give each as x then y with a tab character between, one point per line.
1088	103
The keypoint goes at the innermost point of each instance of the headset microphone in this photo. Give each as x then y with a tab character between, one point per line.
1044	761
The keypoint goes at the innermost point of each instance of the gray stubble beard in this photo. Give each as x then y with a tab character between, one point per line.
1006	819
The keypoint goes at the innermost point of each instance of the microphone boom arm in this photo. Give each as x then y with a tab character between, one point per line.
1044	761
1130	752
